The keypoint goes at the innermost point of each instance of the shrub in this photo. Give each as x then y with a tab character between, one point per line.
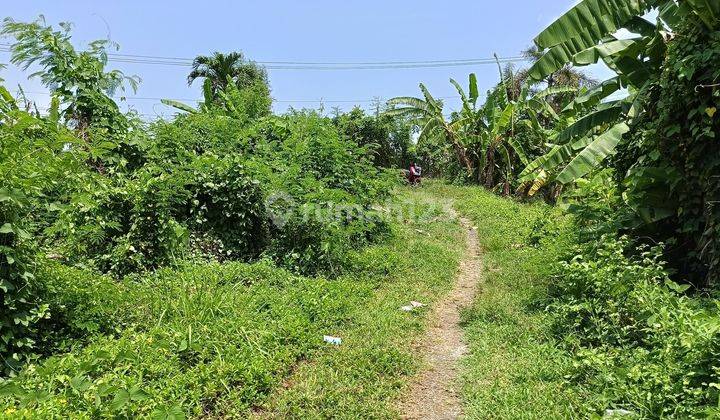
122	225
227	203
639	341
34	169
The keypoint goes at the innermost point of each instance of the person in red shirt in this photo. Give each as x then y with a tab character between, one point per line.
413	176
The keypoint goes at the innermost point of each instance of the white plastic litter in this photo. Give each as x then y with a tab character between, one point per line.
412	306
332	340
611	414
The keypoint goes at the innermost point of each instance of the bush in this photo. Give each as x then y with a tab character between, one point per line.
122	225
639	341
228	204
35	169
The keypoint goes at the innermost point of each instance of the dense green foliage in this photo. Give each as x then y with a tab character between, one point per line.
639	342
388	139
29	197
232	333
103	192
669	160
587	327
664	129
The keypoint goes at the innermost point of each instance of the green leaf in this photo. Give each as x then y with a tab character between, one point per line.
137	394
600	148
591	20
6	228
707	10
122	397
474	92
586	124
583	27
608	49
54	109
595	95
80	383
179	105
168	413
9	389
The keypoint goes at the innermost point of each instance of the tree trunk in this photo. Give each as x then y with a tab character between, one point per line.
490	167
461	154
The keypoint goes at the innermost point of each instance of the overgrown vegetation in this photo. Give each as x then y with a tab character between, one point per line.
567	326
104	217
190	267
633	301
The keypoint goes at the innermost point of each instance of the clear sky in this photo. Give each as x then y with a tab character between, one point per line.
312	30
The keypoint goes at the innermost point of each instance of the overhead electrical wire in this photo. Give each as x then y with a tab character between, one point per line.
148	98
311	65
297	65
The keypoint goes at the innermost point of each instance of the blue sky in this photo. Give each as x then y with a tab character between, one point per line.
315	30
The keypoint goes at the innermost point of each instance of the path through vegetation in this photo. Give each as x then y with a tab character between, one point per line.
434	394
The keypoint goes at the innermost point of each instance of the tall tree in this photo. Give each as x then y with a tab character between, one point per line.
219	69
77	79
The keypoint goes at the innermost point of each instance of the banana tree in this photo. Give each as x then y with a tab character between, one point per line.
586	35
208	94
503	117
428	112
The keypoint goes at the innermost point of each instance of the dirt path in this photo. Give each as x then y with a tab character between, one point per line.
434	393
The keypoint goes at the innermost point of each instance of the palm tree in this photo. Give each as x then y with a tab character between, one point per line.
219	69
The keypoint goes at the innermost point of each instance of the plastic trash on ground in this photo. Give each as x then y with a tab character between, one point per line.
613	414
412	306
332	340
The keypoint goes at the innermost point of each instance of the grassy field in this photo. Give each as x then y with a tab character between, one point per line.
514	369
226	340
364	376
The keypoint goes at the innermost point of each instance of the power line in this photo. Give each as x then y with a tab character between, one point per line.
149	98
311	65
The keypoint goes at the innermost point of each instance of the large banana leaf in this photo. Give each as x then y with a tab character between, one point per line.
557	155
179	105
600	148
707	10
418	104
592	20
517	147
474	92
553	91
431	129
641	26
586	25
432	102
589	122
608	49
592	97
463	97
504	119
636	72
